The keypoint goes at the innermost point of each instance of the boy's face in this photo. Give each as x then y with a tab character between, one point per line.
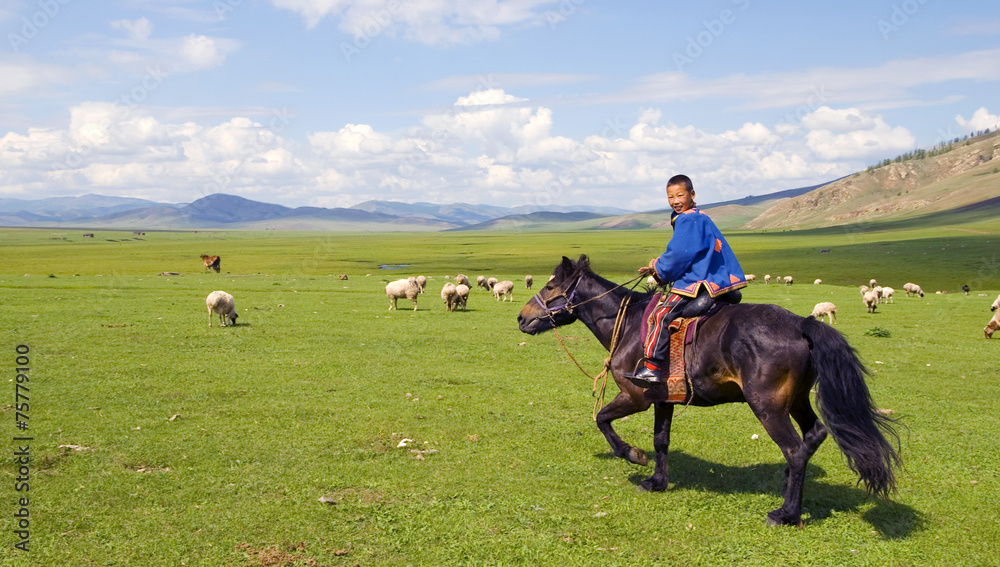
680	198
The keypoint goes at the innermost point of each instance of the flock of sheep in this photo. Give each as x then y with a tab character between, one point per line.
455	295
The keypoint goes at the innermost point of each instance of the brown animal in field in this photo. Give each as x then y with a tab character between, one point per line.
211	262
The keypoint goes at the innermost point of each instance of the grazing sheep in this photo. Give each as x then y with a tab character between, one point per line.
463	295
490	283
878	289
751	278
421	283
462	279
965	289
864	289
222	303
872	283
788	280
871	300
651	282
505	289
992	326
481	282
825	308
407	288
767	279
528	280
817	281
343	276
449	293
996	304
912	288
887	294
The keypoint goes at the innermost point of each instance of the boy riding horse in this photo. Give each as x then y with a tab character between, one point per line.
702	268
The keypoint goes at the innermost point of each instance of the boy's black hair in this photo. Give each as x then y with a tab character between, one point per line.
681	180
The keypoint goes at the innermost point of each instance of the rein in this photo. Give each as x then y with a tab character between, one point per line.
615	335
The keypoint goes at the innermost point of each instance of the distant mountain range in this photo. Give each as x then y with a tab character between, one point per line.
232	212
963	181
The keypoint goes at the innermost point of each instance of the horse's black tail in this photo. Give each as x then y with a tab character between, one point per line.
847	409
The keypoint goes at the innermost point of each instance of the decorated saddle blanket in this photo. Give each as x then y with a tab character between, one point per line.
682	332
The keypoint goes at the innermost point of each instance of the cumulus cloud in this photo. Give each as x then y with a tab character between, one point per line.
199	52
853	134
487	147
981	119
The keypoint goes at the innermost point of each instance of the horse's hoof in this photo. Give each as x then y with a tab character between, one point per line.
775	518
637	456
652	485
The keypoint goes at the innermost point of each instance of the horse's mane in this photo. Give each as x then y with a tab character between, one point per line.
568	269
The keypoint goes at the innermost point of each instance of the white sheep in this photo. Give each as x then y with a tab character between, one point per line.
463	295
817	281
481	282
421	283
767	279
528	280
872	283
993	325
490	283
222	303
996	304
887	294
864	290
407	288
788	280
505	289
462	279
751	278
651	282
825	308
912	288
871	300
449	293
878	289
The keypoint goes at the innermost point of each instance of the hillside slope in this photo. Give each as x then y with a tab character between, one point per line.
964	177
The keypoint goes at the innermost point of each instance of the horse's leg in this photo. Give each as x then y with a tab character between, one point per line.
779	426
661	443
813	430
622	405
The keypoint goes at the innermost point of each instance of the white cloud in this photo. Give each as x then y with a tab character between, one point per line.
138	30
201	52
981	119
853	134
431	22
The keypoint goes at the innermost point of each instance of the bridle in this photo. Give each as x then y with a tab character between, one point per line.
570	296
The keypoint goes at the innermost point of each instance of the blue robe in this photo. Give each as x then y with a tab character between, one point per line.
698	255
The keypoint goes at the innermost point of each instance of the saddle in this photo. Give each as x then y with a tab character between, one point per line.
682	332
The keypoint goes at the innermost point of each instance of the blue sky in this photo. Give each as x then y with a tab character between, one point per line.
523	102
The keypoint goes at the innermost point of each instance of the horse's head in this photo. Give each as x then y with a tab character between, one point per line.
552	306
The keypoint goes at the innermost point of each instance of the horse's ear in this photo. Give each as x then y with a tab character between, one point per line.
567	264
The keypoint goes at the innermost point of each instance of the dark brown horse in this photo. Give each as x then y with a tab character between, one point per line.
211	262
760	354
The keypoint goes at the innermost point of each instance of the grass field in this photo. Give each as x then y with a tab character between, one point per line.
157	440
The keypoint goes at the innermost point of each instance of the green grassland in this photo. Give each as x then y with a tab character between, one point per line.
158	440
